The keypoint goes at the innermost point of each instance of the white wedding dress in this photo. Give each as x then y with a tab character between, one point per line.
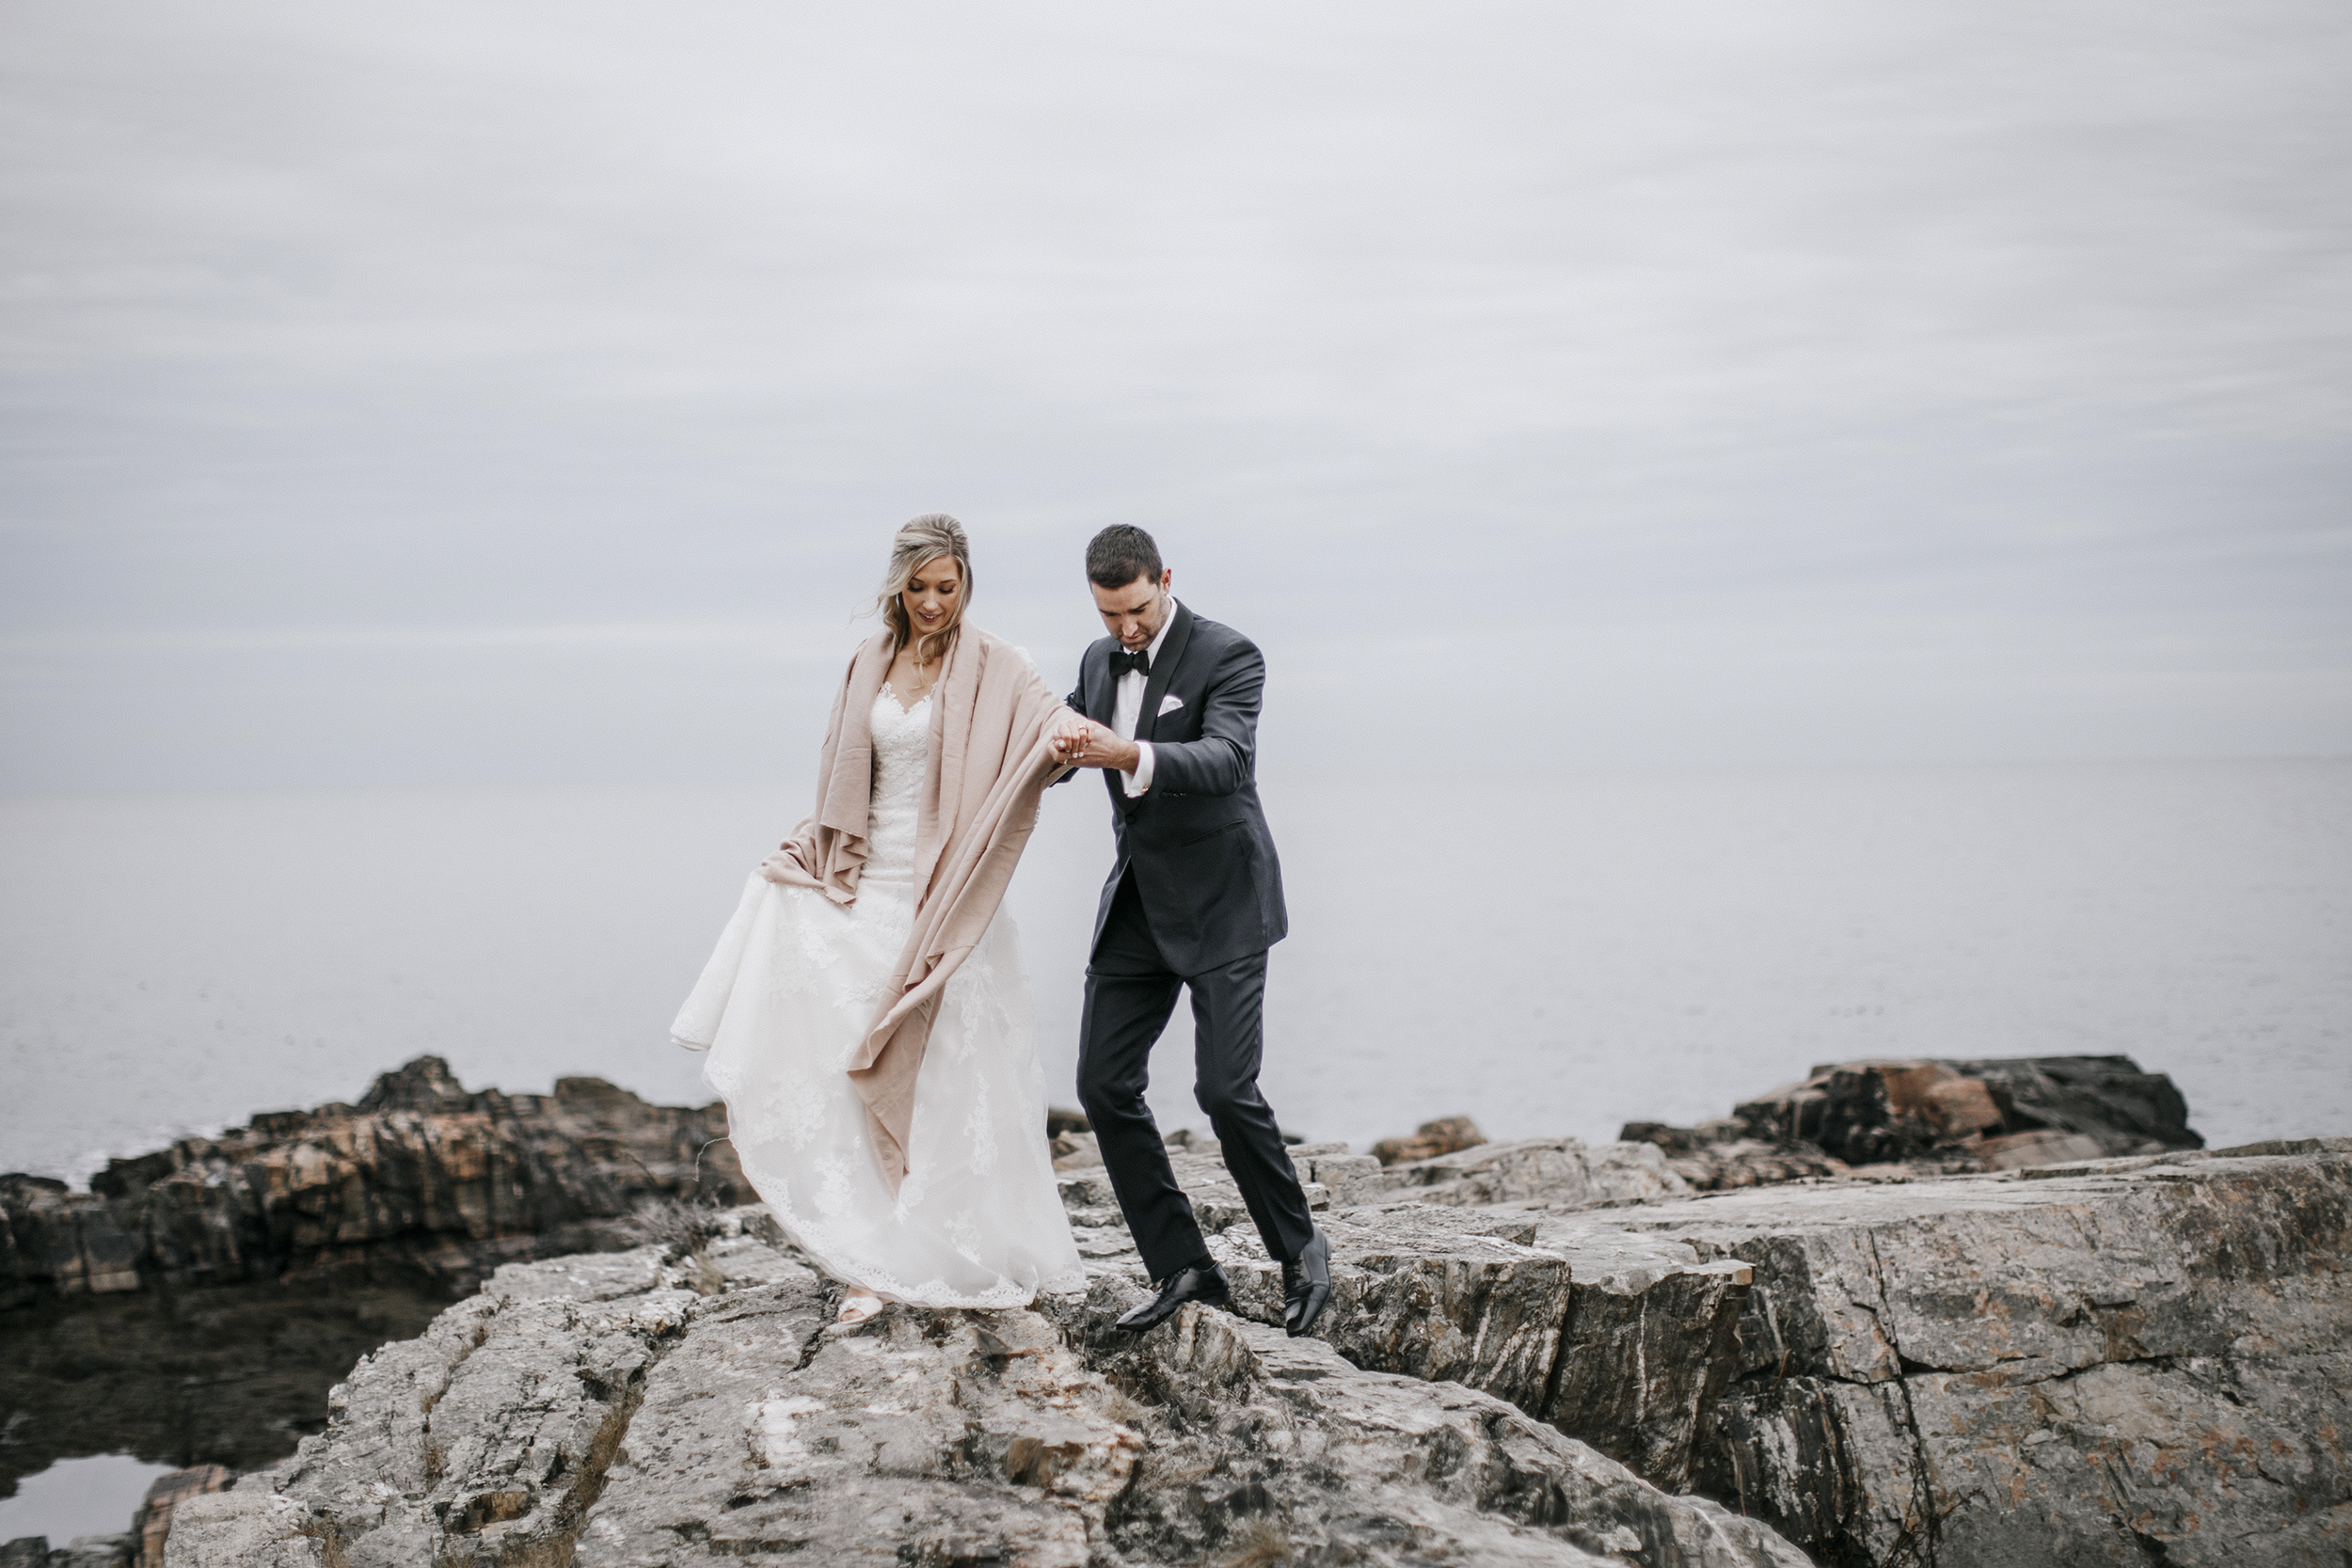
787	997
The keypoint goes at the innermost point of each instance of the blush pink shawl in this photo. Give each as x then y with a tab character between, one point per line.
991	759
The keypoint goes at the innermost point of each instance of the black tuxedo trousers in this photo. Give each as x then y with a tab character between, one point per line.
1130	994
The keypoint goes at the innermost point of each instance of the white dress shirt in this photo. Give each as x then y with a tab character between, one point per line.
1128	711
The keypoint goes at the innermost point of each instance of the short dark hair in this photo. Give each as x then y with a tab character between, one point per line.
1119	554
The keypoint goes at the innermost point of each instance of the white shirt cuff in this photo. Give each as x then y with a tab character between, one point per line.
1140	780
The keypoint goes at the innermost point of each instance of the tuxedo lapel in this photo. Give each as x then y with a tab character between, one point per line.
1163	670
1102	691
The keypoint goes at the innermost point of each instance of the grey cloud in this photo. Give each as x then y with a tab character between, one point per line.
1688	383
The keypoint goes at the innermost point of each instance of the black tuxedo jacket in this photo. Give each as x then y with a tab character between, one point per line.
1197	840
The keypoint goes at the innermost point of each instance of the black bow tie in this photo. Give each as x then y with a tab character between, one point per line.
1139	662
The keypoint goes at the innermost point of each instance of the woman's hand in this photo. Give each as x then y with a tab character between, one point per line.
1084	743
1068	738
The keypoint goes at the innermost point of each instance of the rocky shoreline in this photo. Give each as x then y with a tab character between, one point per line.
1538	1352
423	1184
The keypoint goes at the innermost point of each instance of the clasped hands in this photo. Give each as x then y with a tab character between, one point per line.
1083	743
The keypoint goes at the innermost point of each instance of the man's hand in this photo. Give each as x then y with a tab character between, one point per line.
1084	743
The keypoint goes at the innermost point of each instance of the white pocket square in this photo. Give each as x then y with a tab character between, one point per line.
1170	703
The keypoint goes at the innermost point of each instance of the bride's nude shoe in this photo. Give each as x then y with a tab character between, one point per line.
857	1307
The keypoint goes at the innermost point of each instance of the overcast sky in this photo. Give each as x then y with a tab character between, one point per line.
526	392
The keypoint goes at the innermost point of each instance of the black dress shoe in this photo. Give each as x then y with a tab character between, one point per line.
1307	1286
1205	1283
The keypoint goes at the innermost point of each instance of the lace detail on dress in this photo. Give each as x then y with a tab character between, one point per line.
794	985
903	763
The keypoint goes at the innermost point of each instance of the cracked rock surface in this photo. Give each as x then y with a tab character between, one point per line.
2121	1361
1535	1353
1561	1171
666	1407
1260	1438
2130	1361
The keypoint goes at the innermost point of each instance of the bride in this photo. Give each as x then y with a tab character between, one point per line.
866	1014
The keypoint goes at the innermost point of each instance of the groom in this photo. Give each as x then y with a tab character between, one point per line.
1171	701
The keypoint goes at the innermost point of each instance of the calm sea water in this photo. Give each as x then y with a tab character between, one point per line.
1548	955
99	1495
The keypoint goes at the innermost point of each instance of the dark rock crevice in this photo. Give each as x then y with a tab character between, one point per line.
1922	1520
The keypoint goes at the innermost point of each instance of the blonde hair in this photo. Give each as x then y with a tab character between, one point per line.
917	544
